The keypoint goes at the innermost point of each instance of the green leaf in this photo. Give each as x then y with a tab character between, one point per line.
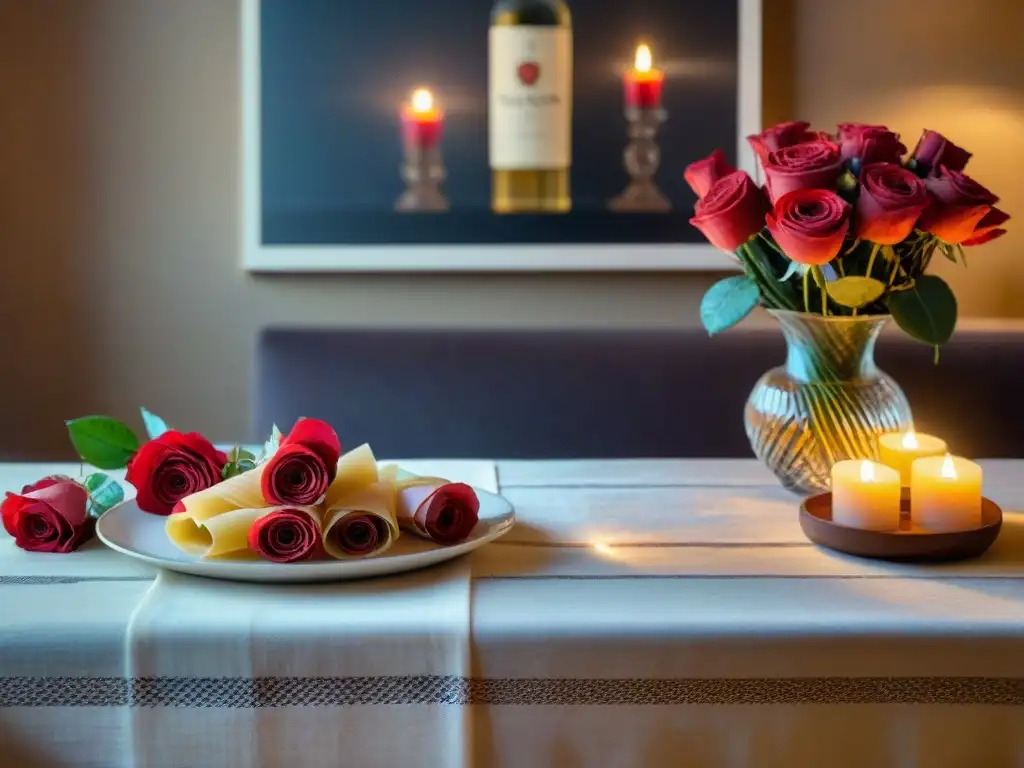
104	493
244	465
103	442
927	311
244	455
727	302
949	252
155	426
855	291
230	470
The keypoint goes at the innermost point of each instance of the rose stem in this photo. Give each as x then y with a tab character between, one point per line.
807	290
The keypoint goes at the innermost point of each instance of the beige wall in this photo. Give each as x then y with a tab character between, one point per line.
119	245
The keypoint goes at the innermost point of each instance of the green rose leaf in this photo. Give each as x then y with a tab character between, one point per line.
230	470
855	291
155	426
927	311
103	442
104	493
727	302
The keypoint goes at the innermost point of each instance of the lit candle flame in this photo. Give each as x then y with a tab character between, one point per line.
867	471
644	61
422	101
910	440
948	470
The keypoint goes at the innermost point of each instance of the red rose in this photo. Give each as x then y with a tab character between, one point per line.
890	203
358	534
52	518
779	137
958	206
303	466
171	467
446	514
989	228
700	175
285	536
870	144
7	510
812	165
809	225
934	150
731	212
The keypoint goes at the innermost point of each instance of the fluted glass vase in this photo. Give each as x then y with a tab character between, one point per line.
829	402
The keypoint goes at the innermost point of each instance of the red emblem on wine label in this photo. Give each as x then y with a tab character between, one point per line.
529	71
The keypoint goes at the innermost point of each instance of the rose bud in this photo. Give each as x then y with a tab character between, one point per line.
731	212
890	203
700	175
53	518
870	144
809	225
303	466
779	137
169	468
934	150
989	228
813	165
959	205
285	535
445	514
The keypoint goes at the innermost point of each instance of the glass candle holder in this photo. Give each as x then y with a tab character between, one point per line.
423	171
642	158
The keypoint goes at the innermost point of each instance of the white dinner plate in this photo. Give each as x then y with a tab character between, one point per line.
138	534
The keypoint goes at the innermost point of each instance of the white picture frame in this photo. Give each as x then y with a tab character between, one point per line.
259	257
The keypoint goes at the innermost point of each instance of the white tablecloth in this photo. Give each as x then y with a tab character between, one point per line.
640	614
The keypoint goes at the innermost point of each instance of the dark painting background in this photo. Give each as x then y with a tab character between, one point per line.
333	73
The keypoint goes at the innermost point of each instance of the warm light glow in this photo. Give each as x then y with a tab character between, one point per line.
867	471
644	61
910	440
422	101
604	549
948	470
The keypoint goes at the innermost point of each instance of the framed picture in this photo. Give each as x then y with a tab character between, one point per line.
331	151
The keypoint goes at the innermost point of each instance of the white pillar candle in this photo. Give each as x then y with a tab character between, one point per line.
900	450
865	495
945	494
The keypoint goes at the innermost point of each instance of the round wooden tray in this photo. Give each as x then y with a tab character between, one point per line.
908	544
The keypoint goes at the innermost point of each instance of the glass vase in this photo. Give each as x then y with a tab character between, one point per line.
829	402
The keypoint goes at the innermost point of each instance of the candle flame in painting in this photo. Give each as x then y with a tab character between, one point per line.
910	440
422	101
867	471
948	470
644	61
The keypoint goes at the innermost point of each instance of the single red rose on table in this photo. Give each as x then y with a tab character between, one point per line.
781	136
934	151
811	165
285	536
891	201
959	205
809	225
702	174
445	514
989	228
870	144
51	518
303	466
170	467
731	212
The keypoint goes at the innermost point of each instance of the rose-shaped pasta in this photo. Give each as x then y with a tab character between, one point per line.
303	467
958	208
890	203
702	174
731	212
360	522
286	535
934	150
52	517
169	468
186	527
809	225
811	165
445	514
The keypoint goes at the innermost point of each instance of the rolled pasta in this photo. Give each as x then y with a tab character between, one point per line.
432	507
226	534
356	469
361	522
185	528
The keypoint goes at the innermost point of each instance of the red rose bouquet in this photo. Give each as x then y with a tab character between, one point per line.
846	223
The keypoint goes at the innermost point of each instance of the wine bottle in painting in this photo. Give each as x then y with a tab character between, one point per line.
530	106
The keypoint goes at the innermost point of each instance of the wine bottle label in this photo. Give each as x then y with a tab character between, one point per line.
530	98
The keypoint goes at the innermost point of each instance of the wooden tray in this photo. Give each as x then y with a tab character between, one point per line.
908	544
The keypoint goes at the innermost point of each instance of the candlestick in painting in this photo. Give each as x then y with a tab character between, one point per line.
945	494
865	495
642	88
422	123
901	450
